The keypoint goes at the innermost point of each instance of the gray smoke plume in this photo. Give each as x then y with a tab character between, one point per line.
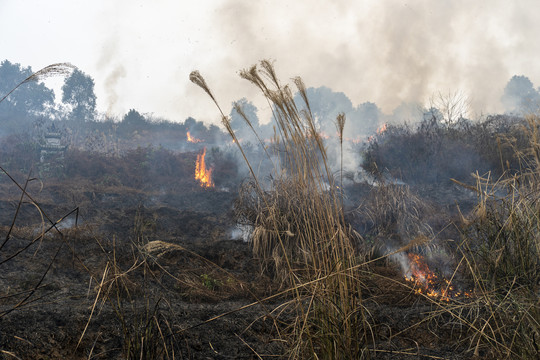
111	86
386	52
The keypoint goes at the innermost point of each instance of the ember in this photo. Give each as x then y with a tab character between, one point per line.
191	139
203	174
427	283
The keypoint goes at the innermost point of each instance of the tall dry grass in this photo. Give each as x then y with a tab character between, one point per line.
299	226
501	251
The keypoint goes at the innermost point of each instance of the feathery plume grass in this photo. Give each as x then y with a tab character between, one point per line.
300	234
59	69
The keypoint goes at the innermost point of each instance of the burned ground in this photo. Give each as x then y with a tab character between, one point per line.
139	257
146	259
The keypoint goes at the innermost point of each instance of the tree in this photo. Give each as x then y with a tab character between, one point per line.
32	98
364	120
452	107
520	95
133	118
432	115
407	112
325	105
78	92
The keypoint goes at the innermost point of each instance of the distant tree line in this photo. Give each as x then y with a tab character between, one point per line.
32	108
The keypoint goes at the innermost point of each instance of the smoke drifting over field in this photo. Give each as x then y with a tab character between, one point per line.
378	51
385	52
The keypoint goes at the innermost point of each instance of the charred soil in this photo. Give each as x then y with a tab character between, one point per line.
163	267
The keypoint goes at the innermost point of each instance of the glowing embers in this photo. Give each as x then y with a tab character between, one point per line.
191	139
202	174
427	283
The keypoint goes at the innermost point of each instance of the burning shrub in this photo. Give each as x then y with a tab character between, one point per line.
202	173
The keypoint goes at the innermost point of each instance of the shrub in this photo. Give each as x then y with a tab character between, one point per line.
501	248
434	153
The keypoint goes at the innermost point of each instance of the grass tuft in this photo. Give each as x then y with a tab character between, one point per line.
300	233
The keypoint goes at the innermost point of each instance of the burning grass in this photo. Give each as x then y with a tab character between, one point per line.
192	139
427	282
202	173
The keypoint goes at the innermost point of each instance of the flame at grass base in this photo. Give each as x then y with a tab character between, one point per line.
427	283
203	174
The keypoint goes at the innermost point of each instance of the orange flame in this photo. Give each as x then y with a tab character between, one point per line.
356	140
427	283
203	174
324	135
191	139
382	128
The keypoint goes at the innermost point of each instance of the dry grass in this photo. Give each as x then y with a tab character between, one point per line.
59	69
393	217
501	250
301	236
299	227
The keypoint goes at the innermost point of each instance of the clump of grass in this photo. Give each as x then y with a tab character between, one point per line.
281	220
501	248
145	331
392	216
299	226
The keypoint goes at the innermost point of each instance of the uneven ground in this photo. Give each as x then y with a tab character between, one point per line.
159	266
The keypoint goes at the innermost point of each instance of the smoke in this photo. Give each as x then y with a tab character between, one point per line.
111	86
241	232
384	52
375	51
110	63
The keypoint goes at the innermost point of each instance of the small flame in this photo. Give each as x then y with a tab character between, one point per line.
379	131
191	139
203	174
427	283
324	135
356	140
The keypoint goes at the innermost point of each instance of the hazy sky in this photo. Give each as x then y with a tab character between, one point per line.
140	53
